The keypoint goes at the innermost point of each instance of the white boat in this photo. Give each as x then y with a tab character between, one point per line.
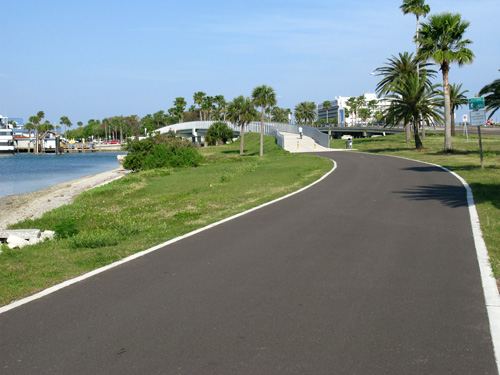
7	144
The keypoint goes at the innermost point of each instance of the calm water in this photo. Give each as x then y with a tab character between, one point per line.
25	173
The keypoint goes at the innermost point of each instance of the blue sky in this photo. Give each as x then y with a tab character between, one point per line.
95	59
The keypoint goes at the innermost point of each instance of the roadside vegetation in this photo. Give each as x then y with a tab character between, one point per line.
463	160
146	208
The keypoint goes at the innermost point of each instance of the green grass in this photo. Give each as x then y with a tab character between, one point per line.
144	209
465	161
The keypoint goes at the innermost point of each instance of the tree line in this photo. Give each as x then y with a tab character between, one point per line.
406	79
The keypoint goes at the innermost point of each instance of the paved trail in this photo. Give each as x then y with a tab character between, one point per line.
371	271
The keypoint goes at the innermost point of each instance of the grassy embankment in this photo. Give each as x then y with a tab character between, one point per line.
144	209
465	161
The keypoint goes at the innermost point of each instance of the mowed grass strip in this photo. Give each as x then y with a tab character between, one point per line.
465	161
144	209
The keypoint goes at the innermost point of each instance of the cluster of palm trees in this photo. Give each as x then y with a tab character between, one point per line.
407	78
41	129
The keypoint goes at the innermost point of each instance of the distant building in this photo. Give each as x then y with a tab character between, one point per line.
339	109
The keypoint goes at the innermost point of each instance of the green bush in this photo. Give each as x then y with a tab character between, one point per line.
66	229
161	151
218	131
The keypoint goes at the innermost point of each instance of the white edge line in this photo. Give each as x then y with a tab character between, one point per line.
490	289
75	280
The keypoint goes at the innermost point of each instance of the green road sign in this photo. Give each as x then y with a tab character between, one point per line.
476	103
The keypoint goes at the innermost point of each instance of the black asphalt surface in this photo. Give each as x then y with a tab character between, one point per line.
371	271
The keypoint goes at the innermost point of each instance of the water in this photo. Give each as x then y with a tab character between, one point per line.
25	173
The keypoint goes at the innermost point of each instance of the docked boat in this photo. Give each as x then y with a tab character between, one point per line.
7	144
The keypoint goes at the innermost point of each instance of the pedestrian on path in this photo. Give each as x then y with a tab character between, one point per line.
300	131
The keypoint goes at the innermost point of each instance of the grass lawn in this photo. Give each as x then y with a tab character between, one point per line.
465	161
144	209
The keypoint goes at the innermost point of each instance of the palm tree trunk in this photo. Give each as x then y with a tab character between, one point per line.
262	132
408	133
418	142
242	138
423	127
447	116
452	115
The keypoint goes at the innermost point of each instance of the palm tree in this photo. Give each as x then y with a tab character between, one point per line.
457	99
305	112
411	99
220	111
398	67
327	105
262	97
198	99
491	95
352	105
30	126
418	8
180	106
441	40
280	114
66	122
207	106
241	112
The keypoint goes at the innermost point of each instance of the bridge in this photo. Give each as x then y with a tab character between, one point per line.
285	134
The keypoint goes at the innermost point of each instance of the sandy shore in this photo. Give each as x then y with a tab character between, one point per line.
14	208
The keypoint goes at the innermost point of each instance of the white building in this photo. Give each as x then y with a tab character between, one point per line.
340	107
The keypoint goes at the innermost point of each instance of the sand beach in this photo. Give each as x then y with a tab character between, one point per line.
14	208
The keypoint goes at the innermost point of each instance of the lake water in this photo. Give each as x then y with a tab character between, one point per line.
25	173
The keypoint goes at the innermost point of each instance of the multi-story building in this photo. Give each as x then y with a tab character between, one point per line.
339	109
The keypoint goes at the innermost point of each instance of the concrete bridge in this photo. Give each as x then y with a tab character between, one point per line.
196	130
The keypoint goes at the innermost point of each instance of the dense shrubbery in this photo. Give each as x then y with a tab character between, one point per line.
161	151
218	131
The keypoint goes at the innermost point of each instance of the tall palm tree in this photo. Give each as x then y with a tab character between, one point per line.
262	97
198	99
327	105
180	106
418	8
442	40
241	112
457	99
66	122
491	95
410	99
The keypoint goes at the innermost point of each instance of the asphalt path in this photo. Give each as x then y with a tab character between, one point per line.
372	270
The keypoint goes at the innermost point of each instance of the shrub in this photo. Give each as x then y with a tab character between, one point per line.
218	131
66	229
93	240
161	151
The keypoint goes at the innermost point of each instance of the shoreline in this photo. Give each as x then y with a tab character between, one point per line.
15	208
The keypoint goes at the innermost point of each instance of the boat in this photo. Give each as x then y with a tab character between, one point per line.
7	144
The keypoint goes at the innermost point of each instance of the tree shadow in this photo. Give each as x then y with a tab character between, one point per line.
425	168
484	193
449	195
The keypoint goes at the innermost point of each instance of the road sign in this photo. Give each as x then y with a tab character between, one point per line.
464	118
478	117
476	103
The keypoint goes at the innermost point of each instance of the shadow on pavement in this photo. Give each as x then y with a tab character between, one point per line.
452	196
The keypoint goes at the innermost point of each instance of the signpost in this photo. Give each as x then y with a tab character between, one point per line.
478	118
